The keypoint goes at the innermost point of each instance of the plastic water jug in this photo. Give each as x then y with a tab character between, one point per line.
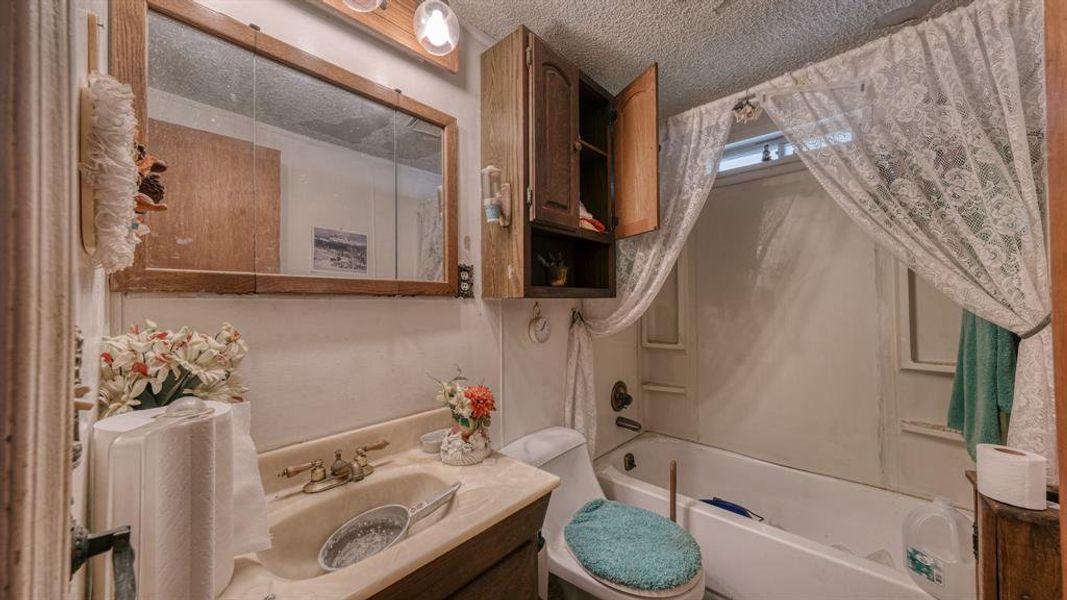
939	551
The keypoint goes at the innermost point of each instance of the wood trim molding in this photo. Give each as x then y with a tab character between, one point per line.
1056	136
128	63
38	236
395	25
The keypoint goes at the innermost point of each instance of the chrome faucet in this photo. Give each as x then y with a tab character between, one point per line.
340	472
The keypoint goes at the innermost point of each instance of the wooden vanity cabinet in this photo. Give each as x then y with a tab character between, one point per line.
501	563
561	140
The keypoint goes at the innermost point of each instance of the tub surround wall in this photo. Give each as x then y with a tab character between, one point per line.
322	365
797	331
615	358
787	329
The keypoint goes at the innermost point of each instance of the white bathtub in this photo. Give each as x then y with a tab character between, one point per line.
790	556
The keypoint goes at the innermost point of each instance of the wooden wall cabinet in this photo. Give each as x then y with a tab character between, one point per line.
561	140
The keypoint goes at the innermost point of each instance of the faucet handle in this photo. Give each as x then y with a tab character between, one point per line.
360	459
317	468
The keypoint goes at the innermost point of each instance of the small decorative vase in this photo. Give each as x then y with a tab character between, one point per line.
557	276
465	446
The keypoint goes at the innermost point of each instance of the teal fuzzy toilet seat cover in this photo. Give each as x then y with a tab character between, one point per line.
632	547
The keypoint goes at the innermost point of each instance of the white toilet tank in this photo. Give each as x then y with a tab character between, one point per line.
562	452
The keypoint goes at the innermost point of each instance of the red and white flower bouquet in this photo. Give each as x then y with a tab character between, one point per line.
468	442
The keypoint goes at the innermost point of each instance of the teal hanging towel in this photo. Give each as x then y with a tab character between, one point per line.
985	381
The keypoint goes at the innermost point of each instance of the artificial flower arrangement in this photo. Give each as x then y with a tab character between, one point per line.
148	367
468	442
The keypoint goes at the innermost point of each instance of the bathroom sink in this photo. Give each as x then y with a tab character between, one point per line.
300	524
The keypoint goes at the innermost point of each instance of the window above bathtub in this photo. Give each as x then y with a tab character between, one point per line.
762	150
756	157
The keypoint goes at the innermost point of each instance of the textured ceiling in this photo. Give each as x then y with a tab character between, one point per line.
194	65
706	49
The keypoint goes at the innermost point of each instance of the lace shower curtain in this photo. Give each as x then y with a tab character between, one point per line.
940	158
688	162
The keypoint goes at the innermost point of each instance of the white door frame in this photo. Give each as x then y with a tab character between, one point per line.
37	241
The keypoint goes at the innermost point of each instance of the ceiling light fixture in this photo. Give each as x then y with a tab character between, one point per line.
436	27
364	5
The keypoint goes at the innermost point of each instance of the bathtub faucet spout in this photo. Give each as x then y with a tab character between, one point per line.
627	424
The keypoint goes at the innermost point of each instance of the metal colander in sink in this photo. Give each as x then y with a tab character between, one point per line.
372	531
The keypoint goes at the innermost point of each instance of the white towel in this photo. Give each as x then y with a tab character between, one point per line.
251	532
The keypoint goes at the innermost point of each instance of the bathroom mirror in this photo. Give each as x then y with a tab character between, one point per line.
285	174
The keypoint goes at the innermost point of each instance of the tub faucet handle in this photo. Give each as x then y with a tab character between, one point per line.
620	397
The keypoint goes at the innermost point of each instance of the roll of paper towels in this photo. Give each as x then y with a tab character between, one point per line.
1012	476
190	490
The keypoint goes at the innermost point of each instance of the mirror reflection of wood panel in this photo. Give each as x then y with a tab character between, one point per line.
219	219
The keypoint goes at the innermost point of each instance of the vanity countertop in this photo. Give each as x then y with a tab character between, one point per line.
491	491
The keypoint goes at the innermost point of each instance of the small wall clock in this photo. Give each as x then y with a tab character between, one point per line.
540	327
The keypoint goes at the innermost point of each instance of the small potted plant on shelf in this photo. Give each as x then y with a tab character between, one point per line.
468	441
555	268
147	367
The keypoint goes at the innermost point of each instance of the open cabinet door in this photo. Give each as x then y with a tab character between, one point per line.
554	132
635	146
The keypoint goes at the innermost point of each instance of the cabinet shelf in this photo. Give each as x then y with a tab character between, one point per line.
582	234
547	291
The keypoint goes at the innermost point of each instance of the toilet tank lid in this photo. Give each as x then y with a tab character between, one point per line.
539	447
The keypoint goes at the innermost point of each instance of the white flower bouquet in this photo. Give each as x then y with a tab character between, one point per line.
148	367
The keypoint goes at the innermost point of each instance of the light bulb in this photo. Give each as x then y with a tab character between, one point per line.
436	27
363	5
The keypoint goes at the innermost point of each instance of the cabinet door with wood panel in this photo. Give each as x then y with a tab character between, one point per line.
635	145
582	168
554	132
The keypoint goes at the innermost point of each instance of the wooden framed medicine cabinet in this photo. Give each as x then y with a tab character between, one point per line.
561	141
226	107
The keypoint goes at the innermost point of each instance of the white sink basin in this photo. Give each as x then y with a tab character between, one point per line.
299	530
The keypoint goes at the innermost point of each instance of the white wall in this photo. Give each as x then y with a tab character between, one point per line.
320	365
90	286
794	318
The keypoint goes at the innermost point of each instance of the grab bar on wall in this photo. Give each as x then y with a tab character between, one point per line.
627	424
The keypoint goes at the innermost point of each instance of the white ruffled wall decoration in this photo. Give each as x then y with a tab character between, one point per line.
112	173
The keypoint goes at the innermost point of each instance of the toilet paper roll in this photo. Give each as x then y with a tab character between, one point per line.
1012	476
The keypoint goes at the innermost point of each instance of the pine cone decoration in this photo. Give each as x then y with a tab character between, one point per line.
152	186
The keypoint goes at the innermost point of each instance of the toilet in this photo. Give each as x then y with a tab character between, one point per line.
563	452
